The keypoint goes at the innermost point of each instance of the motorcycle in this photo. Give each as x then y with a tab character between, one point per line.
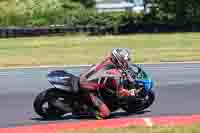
65	96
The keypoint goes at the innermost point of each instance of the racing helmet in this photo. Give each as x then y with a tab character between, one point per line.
121	57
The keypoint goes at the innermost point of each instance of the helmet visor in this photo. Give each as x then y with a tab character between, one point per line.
126	57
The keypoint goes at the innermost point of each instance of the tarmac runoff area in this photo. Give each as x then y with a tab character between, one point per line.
177	100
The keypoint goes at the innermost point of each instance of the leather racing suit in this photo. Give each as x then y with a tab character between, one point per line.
96	77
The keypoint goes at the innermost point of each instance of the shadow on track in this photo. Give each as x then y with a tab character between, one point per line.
86	117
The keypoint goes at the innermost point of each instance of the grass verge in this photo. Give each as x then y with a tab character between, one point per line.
148	48
180	129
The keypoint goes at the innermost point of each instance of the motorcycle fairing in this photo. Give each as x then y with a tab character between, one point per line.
62	80
142	78
146	83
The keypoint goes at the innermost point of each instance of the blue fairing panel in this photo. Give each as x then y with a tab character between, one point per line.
147	83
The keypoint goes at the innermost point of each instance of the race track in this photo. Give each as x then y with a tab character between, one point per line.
177	89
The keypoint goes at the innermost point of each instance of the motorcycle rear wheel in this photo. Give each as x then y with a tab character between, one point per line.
43	106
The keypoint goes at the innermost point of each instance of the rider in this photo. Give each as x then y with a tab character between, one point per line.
96	77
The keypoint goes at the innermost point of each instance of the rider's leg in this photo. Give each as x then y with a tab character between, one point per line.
90	89
93	103
104	112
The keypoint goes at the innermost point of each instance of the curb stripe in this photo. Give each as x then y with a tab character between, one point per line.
176	120
110	123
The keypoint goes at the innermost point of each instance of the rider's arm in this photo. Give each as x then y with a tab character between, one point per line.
120	90
123	91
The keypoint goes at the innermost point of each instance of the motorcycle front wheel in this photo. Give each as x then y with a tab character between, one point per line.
147	101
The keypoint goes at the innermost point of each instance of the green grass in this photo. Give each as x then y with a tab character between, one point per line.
178	129
81	49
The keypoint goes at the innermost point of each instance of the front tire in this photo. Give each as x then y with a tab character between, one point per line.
43	99
137	107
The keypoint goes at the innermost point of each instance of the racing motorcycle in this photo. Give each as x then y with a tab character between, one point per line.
65	96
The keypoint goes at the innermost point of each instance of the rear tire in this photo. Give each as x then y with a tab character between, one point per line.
43	98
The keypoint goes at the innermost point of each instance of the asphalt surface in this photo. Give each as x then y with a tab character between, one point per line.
176	86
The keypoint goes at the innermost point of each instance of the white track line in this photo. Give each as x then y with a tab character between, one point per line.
148	122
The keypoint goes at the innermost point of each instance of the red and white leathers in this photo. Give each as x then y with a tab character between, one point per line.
96	77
